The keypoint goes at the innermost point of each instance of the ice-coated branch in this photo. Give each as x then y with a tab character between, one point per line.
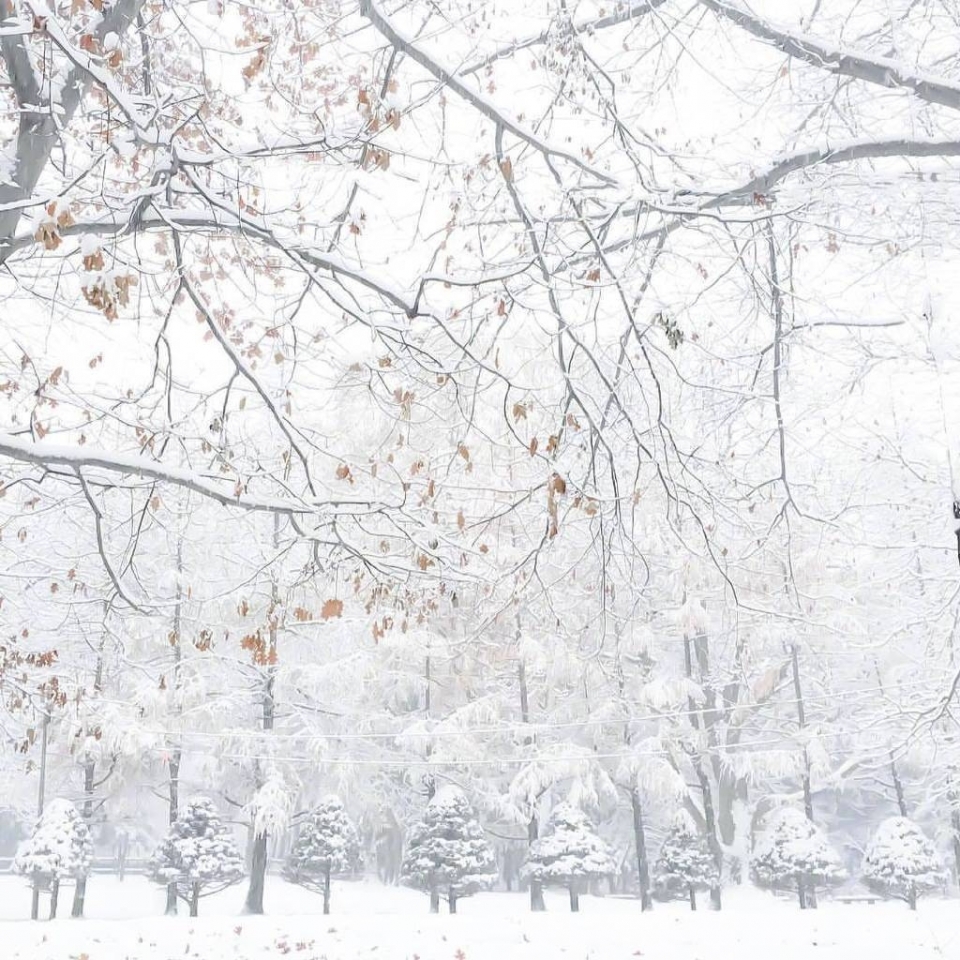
859	64
632	11
75	458
484	105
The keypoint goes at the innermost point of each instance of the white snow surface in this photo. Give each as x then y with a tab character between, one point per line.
372	922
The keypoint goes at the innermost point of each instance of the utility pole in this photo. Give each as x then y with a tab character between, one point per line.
35	901
808	897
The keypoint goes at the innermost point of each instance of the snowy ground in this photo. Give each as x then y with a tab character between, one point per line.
371	922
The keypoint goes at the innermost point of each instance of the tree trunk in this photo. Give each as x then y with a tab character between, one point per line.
808	896
710	820
326	889
574	899
258	871
434	900
537	904
54	898
80	890
195	900
268	706
640	844
955	820
693	898
912	896
173	784
452	900
35	902
800	895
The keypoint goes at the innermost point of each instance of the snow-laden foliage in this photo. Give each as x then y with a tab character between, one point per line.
901	861
685	860
569	851
326	844
199	854
792	851
447	850
59	847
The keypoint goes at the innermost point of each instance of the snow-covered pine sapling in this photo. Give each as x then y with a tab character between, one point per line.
198	854
59	849
569	854
901	861
327	845
792	852
447	851
685	864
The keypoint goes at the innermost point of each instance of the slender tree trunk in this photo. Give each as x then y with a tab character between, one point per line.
537	904
54	898
195	900
434	900
574	899
955	821
80	890
452	900
809	897
710	820
801	894
326	889
693	898
640	843
35	896
173	784
258	861
912	896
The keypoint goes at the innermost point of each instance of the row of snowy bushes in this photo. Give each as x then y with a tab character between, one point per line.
449	857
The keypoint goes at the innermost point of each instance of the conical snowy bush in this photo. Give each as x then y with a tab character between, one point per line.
792	852
685	864
569	854
326	846
901	861
198	854
447	851
59	849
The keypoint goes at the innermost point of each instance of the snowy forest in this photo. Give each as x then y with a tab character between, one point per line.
480	445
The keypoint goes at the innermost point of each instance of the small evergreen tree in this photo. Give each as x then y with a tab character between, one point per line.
901	861
447	850
198	854
685	864
569	853
327	844
59	848
793	852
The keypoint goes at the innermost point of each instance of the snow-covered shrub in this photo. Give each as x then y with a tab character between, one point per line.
685	864
59	849
792	852
447	851
901	861
327	845
569	854
198	854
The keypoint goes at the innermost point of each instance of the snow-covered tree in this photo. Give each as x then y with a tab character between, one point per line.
901	861
685	864
198	854
792	851
327	844
570	853
447	851
58	849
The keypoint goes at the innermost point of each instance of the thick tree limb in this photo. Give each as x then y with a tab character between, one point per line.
39	129
859	64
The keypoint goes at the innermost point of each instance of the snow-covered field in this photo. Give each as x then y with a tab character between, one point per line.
371	921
